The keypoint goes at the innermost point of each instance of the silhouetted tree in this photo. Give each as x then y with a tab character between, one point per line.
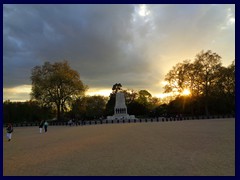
95	106
208	64
130	96
56	84
200	77
29	111
116	87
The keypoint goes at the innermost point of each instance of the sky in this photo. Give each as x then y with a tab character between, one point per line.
133	44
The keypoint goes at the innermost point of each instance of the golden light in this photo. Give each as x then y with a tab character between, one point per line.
164	95
18	89
164	83
186	92
17	93
143	11
161	96
100	92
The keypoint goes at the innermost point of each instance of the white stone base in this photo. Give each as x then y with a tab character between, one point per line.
120	117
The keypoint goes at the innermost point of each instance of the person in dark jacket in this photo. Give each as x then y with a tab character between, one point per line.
45	126
9	131
41	126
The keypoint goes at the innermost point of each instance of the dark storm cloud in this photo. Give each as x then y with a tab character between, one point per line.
135	45
91	37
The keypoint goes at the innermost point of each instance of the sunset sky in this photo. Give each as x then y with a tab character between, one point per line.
135	45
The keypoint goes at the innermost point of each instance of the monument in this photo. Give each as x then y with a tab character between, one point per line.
120	109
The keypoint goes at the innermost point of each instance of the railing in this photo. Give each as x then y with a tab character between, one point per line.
146	120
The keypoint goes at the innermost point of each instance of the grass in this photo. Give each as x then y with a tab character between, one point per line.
179	148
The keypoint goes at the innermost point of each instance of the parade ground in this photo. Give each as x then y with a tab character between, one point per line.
176	148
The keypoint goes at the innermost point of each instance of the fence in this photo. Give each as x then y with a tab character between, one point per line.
146	120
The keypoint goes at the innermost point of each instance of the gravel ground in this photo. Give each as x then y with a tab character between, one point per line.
178	148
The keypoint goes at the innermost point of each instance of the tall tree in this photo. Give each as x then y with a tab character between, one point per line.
56	84
180	77
224	90
200	77
208	65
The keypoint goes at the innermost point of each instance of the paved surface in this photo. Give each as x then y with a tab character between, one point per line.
182	148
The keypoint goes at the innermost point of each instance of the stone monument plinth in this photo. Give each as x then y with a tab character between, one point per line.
120	109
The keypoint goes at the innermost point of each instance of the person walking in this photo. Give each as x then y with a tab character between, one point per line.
41	126
9	131
45	126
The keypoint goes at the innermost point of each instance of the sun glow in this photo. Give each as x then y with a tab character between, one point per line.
98	92
17	93
161	96
165	95
186	92
143	11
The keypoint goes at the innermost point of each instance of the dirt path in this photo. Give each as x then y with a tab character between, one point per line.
200	147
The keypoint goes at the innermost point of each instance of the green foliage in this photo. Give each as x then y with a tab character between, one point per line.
89	107
130	96
58	88
56	85
137	109
161	110
144	97
109	110
29	111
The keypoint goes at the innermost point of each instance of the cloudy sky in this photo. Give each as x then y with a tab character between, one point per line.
135	45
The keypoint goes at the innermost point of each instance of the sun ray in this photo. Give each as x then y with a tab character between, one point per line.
186	92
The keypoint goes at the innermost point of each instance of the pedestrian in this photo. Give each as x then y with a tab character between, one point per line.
70	122
41	126
9	131
45	126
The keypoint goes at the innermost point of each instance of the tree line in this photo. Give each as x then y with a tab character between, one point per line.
212	85
58	93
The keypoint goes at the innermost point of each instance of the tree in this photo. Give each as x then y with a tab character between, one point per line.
144	102
177	78
78	108
181	77
29	111
208	64
144	97
161	110
116	87
88	107
137	109
200	77
226	80
130	96
223	93
95	106
56	84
